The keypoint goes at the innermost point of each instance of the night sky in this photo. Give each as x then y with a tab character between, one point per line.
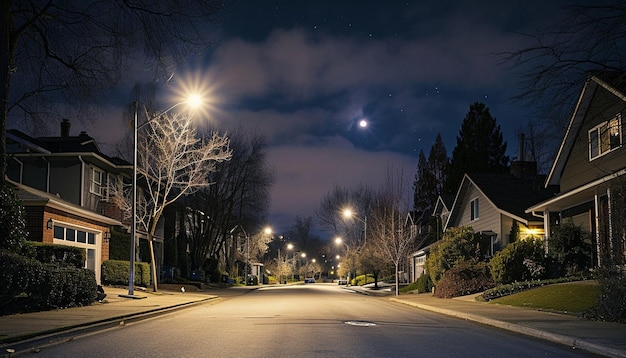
305	74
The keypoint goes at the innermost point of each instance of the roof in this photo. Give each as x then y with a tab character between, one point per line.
510	195
81	143
444	203
34	197
614	82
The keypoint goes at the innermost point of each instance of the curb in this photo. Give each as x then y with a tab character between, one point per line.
528	331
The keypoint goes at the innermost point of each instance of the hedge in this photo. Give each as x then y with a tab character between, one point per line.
62	255
27	285
117	272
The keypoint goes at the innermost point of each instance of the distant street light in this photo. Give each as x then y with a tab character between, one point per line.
193	101
339	241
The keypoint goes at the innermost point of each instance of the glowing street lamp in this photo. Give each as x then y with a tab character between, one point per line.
348	214
339	241
193	101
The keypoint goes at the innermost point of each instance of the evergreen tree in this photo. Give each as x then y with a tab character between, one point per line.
438	162
421	195
430	179
479	147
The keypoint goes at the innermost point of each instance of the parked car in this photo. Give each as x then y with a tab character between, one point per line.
342	281
309	280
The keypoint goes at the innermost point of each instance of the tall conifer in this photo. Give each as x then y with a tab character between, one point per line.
479	147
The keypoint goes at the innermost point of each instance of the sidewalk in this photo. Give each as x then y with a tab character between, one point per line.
23	332
604	338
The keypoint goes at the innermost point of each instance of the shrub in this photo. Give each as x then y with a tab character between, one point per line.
518	261
16	272
424	283
61	255
119	244
117	272
464	279
12	221
458	245
27	285
611	305
361	280
570	247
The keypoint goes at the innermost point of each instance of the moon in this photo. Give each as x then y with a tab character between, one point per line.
363	123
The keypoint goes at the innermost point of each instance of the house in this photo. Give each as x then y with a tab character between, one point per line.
62	183
51	219
590	168
417	259
491	203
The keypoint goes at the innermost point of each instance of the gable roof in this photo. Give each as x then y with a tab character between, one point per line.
444	203
509	195
615	83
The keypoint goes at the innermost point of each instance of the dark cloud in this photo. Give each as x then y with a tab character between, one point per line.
305	73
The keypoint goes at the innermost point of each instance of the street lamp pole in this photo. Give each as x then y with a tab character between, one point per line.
133	235
131	281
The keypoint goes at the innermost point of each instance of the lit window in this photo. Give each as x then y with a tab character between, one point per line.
605	137
474	210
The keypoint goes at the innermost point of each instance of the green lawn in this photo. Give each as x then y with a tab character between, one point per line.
573	297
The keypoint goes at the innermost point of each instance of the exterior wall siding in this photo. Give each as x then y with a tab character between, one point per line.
35	172
488	218
65	179
579	169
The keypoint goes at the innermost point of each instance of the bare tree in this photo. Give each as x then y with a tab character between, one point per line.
239	196
63	57
590	37
172	162
301	233
258	245
372	260
330	212
389	230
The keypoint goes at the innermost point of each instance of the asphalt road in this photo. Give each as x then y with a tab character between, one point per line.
315	320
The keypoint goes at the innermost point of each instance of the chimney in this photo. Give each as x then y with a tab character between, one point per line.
65	128
521	168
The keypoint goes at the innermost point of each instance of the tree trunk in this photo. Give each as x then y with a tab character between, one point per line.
152	258
397	281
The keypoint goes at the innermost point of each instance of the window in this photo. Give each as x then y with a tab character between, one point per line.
97	177
74	235
474	210
605	137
